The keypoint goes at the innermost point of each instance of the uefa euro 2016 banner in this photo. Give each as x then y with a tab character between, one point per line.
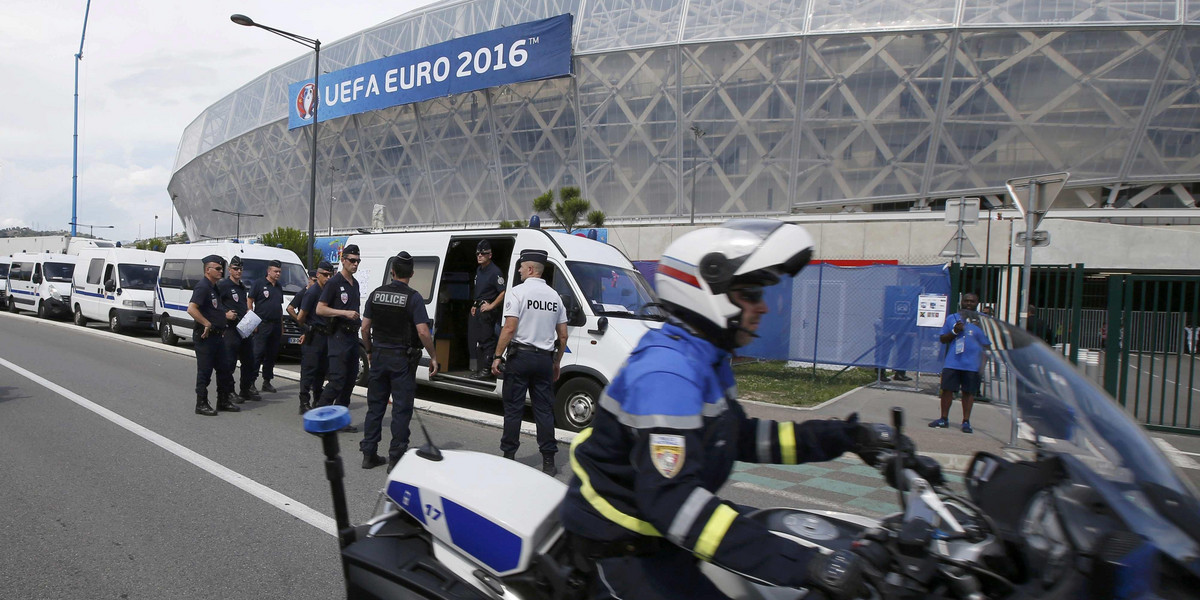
525	52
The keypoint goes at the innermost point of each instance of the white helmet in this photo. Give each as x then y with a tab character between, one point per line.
698	269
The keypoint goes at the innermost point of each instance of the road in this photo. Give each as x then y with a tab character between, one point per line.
113	488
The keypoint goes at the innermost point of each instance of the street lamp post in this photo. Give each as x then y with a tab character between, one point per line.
315	44
332	169
238	230
156	227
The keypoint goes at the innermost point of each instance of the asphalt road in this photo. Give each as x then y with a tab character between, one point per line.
91	508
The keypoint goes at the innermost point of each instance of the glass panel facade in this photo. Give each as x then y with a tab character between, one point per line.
610	24
1057	13
873	15
759	110
715	19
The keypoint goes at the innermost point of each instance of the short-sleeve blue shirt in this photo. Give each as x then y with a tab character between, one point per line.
973	341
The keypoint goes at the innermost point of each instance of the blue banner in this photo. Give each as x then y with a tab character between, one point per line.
525	52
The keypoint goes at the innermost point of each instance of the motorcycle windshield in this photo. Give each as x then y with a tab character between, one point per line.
1069	415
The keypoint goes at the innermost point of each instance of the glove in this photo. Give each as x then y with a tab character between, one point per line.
871	440
837	576
929	470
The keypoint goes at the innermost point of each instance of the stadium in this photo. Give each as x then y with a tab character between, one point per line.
675	111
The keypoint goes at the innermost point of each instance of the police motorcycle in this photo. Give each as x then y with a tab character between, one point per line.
1086	506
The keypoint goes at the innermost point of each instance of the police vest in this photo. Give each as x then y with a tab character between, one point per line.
392	324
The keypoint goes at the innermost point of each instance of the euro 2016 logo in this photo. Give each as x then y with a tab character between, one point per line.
306	101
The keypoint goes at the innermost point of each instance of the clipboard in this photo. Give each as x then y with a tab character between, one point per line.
246	326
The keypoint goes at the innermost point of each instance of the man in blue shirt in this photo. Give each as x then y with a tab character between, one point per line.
266	300
339	306
965	342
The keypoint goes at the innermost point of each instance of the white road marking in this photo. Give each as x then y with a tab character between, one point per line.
258	490
1176	455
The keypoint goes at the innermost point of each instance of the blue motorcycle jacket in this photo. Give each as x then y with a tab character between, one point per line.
665	440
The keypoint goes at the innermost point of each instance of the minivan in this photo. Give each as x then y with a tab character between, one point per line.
116	285
609	305
41	283
182	270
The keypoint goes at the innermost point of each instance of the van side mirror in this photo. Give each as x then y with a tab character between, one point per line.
575	316
37	278
110	285
601	327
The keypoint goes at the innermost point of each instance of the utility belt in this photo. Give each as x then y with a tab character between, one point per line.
410	352
480	302
199	331
310	335
514	347
342	325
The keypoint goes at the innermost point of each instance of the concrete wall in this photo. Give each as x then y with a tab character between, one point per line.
918	242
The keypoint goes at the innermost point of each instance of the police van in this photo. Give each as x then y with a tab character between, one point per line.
182	270
609	305
41	283
115	285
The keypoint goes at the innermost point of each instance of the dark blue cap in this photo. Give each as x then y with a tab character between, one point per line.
533	255
213	258
325	266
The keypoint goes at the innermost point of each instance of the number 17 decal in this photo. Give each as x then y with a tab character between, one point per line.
432	512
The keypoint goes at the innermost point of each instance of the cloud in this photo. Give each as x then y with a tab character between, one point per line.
149	69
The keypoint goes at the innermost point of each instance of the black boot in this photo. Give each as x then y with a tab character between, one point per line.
249	393
548	465
225	404
267	387
901	376
510	454
881	375
304	405
203	408
372	460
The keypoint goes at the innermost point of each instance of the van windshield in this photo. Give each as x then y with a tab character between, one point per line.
3	270
138	277
292	280
616	292
58	271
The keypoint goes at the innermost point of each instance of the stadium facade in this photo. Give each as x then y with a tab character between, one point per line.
730	107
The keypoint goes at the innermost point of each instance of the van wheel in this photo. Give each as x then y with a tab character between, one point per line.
80	320
41	310
114	324
164	332
576	403
12	305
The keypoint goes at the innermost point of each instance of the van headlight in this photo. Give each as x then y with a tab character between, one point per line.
134	303
53	290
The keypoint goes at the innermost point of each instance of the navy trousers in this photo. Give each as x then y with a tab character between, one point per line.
343	368
239	349
530	372
266	348
393	373
210	356
314	364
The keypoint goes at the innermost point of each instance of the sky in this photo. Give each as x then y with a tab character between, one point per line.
149	68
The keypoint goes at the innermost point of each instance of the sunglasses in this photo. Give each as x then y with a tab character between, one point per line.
483	253
752	295
323	274
235	268
353	261
217	268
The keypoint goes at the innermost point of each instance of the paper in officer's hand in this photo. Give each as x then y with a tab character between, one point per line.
248	324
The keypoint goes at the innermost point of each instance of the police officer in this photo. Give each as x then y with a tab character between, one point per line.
534	337
339	304
489	296
266	300
314	351
293	307
394	329
669	430
238	348
205	308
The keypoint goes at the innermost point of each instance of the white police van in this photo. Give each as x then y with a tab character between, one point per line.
182	270
115	285
41	283
609	305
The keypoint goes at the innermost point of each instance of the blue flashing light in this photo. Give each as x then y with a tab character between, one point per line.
326	419
535	222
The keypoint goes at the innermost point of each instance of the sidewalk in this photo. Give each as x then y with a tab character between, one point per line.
952	447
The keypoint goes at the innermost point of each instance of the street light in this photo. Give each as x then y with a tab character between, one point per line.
156	227
239	215
316	46
332	169
91	228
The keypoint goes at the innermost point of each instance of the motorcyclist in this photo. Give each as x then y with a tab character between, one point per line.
641	506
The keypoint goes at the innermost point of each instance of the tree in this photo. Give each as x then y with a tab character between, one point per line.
289	238
155	244
510	224
570	208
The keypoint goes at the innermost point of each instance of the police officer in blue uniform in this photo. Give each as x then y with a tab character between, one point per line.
314	351
211	318
237	348
534	338
394	329
489	297
339	304
266	300
643	504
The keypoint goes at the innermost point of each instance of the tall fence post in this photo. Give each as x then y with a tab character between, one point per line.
817	325
1076	321
1113	327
